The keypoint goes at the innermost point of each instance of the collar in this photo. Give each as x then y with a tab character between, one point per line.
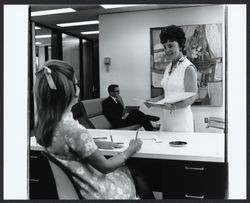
113	98
181	59
173	67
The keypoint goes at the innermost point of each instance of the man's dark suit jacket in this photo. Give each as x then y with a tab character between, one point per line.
113	111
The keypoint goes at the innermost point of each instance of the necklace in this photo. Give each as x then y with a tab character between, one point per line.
173	66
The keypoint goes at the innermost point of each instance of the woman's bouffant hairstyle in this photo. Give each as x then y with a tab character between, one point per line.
173	33
52	103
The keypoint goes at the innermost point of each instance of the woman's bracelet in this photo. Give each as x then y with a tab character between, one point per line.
173	108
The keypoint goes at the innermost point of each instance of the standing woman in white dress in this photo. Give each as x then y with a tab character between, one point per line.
179	76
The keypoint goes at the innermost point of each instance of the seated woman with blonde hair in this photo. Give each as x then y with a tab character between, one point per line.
97	177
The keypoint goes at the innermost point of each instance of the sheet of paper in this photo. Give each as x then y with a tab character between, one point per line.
151	138
175	97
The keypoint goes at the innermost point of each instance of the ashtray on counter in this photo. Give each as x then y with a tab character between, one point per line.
177	143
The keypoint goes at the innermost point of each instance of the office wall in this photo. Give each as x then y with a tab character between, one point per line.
125	37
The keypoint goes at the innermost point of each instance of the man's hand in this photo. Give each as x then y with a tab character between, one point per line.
125	115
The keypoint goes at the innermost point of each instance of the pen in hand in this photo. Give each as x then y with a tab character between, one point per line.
136	135
111	138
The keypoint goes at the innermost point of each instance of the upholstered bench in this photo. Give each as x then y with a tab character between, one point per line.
89	113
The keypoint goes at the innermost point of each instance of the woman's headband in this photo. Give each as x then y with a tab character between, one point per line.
47	72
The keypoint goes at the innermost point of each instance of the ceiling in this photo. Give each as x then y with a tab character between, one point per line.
86	12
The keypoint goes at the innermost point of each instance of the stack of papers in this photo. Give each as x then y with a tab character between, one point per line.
174	97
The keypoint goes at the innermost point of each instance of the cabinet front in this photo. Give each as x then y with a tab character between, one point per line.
41	180
194	180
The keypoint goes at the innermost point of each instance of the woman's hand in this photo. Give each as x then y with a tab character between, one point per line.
151	102
170	107
107	145
107	165
148	105
135	145
104	165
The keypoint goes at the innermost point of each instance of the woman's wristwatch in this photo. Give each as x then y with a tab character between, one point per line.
173	108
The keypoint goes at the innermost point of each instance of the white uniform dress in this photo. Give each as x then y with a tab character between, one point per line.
179	120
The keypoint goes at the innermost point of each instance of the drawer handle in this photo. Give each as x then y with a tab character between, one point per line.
194	168
194	196
34	180
34	157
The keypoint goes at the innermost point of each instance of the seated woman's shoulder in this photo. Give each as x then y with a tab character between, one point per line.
70	125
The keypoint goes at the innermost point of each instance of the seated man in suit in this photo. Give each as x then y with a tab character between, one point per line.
113	109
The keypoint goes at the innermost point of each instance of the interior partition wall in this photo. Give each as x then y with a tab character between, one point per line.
56	45
71	52
87	56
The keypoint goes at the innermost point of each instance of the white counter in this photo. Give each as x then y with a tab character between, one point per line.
207	147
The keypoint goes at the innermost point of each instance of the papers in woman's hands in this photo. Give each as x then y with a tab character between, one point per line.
173	98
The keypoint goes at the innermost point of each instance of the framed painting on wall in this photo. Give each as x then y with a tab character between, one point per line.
204	49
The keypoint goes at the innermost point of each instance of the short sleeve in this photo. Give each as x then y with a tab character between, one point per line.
79	140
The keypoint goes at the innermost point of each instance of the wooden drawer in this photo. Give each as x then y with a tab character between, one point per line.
194	180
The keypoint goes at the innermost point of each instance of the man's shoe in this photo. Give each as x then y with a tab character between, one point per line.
152	118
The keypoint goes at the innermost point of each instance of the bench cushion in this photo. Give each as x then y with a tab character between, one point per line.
100	122
93	107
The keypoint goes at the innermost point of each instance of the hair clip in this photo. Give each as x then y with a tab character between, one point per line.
47	72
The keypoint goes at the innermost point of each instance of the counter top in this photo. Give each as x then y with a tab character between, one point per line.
207	147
